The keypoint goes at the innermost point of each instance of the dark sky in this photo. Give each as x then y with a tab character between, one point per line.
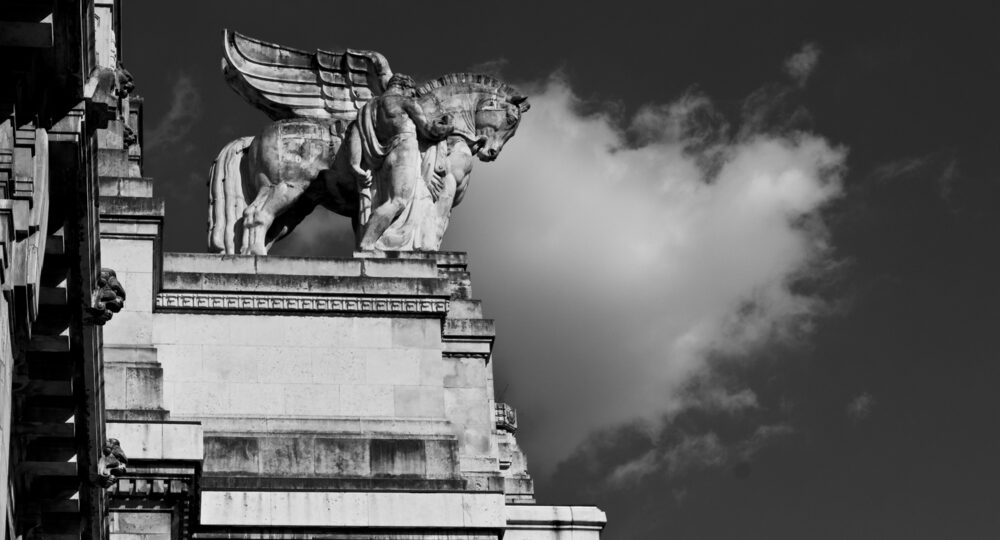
860	400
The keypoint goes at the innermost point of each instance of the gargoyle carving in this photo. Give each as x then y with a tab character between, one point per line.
108	299
112	463
105	88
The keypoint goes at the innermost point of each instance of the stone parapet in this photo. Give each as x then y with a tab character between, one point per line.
380	509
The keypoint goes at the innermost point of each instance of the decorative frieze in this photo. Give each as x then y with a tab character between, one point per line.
178	301
506	417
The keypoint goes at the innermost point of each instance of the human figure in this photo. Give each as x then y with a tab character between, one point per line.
387	130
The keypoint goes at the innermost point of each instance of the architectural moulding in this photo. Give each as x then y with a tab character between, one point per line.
355	305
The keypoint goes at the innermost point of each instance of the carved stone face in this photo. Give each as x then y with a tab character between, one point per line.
496	122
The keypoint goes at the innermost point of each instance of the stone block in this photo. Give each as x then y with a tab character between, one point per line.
538	522
228	363
232	455
114	386
298	266
255	398
139	522
392	366
397	509
298	509
183	441
339	365
143	387
182	362
341	457
287	456
129	328
419	401
465	309
121	186
235	508
164	330
442	458
362	332
129	354
398	457
465	372
138	290
367	400
312	399
412	332
127	255
209	262
399	268
252	331
432	368
185	399
285	365
206	329
138	440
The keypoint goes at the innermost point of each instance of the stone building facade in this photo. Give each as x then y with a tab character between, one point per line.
255	397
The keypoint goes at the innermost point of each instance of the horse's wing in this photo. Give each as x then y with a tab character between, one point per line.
289	83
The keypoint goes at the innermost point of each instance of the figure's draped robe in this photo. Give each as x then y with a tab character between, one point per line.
418	227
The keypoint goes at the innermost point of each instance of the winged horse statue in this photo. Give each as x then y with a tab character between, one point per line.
406	162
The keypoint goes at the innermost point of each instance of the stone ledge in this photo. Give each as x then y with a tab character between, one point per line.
131	206
469	328
301	284
125	186
353	509
359	427
214	263
527	521
229	482
159	440
441	258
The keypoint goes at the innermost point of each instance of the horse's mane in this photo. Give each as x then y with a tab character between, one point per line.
458	78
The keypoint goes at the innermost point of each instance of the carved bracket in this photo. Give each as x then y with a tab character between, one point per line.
108	299
112	463
506	417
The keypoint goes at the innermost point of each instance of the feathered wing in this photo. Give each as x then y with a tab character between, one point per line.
289	83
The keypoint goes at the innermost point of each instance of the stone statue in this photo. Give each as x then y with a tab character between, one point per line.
112	463
397	135
387	133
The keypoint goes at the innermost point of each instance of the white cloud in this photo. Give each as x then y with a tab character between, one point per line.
860	406
180	119
693	452
617	272
800	65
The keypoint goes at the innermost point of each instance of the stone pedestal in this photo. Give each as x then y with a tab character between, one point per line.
348	398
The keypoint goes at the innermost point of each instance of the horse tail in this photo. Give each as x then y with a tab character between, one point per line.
226	200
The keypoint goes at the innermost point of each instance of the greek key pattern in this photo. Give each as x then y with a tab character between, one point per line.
327	304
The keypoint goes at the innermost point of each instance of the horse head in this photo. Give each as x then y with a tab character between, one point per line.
496	121
485	110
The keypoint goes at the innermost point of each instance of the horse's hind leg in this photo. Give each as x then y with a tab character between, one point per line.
271	202
286	222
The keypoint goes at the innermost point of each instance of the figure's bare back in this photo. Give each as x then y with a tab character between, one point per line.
392	116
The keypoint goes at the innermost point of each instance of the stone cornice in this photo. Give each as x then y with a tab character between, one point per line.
256	303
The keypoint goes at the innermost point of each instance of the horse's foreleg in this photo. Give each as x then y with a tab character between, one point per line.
280	198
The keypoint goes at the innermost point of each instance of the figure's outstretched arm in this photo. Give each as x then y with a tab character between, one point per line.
433	131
